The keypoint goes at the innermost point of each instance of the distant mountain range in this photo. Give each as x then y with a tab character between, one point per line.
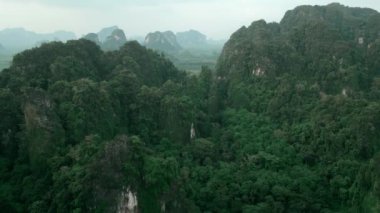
112	38
191	38
14	40
17	39
189	50
162	41
171	43
109	39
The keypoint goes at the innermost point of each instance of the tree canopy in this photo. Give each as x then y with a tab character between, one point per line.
288	122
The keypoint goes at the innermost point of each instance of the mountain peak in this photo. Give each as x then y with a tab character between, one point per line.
315	34
162	41
105	32
115	40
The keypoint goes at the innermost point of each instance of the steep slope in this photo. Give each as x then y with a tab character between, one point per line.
314	77
105	32
114	41
162	41
313	42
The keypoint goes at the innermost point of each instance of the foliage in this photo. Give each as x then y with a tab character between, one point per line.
288	122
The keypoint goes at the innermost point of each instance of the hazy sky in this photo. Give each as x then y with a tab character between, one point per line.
216	18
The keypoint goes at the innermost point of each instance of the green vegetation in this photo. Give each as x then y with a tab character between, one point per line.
288	122
193	59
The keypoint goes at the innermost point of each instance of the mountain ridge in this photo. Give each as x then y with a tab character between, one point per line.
18	39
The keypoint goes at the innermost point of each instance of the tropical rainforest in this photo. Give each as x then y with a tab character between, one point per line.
288	121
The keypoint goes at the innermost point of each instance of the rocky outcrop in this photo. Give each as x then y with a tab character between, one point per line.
105	32
128	202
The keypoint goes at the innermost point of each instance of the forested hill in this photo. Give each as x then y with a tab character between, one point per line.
288	122
315	43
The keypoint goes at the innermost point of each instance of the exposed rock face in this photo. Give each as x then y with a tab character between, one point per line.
252	46
162	41
192	132
191	38
92	37
128	202
115	40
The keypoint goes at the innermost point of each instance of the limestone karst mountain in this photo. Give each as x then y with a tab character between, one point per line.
162	41
105	32
316	43
114	41
18	39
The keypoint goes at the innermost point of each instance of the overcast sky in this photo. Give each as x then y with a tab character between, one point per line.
215	18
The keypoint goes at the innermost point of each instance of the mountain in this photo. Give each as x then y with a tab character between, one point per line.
191	38
104	33
92	37
162	41
315	78
307	37
114	41
5	58
336	15
18	39
70	91
189	50
288	121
